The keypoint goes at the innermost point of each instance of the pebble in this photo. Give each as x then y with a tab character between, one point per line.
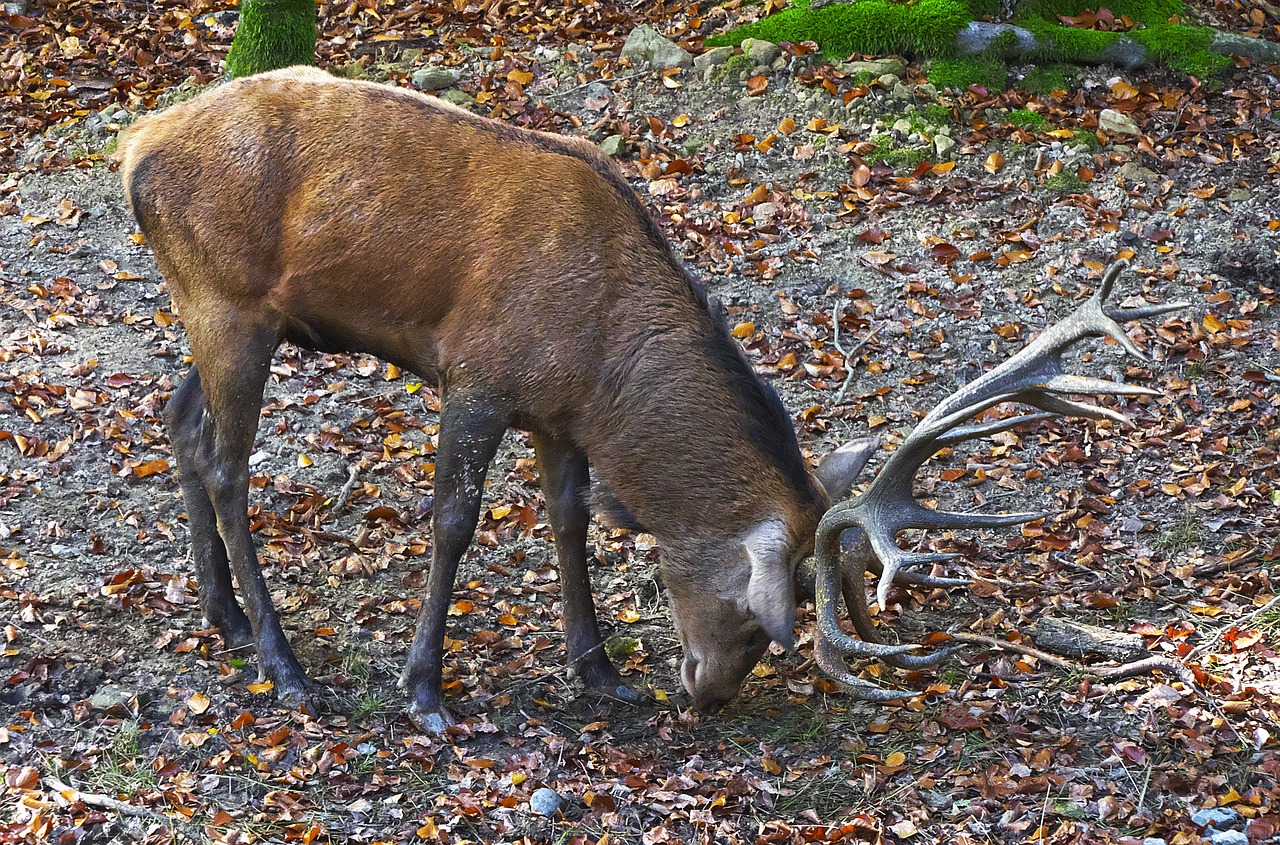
544	801
1215	817
1228	837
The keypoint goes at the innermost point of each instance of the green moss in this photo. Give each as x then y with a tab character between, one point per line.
1182	48
886	153
1087	139
733	67
1139	11
961	72
1028	119
1045	79
925	28
273	34
1064	183
937	114
1068	43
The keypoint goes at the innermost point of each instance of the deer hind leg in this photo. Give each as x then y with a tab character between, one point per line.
233	355
185	417
565	482
471	427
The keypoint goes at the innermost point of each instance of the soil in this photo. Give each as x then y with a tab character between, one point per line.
110	664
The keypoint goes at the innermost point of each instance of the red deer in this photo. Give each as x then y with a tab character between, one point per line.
518	272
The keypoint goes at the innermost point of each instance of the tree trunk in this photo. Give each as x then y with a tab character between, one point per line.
273	34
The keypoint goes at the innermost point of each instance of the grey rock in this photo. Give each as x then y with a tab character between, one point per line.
889	80
902	125
761	52
544	801
1154	840
614	145
902	91
434	78
111	696
713	57
1113	121
764	212
21	7
979	36
1229	837
1238	195
1134	172
412	54
876	67
928	90
458	98
645	45
1215	816
943	145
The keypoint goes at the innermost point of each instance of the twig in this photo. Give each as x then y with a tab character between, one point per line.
848	356
104	801
1104	673
340	502
1213	639
605	81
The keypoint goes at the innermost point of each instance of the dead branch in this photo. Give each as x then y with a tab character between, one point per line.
93	799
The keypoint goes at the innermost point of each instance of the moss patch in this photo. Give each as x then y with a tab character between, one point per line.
886	153
1028	119
1183	48
961	72
273	34
1064	183
1045	79
923	29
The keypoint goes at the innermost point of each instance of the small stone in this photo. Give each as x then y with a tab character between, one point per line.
1229	837
889	80
764	212
1215	816
645	45
876	67
902	91
614	145
1113	121
943	145
1134	172
434	78
18	8
1238	195
761	52
902	125
1154	840
712	58
412	54
458	98
544	802
928	90
110	697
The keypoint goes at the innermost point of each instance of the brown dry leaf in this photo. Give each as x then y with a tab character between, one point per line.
261	688
757	85
198	702
787	126
743	330
994	162
150	468
523	77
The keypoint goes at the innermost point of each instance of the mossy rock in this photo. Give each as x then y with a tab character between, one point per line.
1027	119
1045	79
962	71
924	28
272	34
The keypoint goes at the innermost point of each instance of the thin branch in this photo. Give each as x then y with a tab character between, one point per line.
93	799
847	355
605	81
1212	640
343	494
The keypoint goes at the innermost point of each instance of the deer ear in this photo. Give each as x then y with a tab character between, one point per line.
837	471
771	592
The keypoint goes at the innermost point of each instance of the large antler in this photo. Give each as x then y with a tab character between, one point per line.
1034	376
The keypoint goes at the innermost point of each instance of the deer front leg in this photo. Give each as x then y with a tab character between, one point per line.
564	473
471	427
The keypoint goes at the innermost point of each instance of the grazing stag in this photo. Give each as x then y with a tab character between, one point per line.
518	272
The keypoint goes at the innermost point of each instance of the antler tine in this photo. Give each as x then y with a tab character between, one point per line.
1033	376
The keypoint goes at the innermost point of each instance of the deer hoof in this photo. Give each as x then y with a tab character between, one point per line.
620	692
431	720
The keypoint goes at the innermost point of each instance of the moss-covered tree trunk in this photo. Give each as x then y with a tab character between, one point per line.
273	34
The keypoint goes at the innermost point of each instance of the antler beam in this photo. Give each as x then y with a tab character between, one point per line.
1034	376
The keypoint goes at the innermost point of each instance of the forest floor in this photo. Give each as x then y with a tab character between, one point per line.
122	721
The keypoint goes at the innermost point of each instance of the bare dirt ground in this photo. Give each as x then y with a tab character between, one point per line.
1167	530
